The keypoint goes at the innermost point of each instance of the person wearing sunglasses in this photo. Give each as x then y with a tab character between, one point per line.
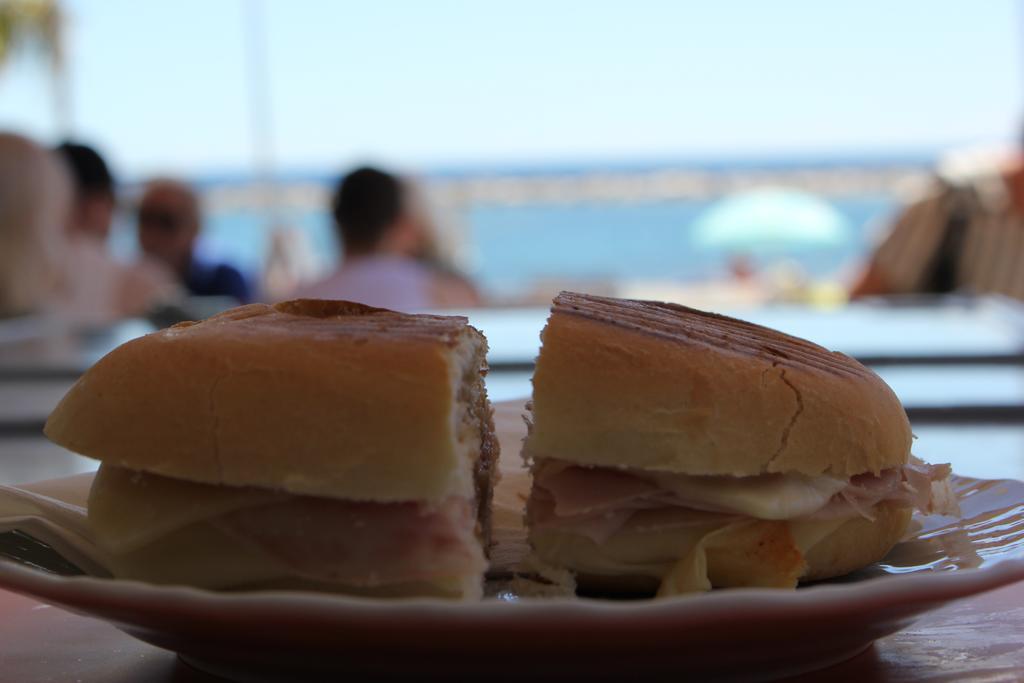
169	221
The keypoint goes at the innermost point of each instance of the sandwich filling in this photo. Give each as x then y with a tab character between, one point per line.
167	530
660	525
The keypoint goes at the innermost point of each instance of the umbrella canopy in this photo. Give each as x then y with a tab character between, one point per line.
770	219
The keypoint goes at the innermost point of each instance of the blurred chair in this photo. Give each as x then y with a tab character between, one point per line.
964	234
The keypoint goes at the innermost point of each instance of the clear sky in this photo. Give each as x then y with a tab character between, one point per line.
163	86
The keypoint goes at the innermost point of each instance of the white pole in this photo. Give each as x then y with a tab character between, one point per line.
60	79
260	109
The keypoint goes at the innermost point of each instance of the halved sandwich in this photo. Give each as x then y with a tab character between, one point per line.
674	450
320	445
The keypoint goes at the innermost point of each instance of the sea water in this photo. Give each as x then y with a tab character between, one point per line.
511	247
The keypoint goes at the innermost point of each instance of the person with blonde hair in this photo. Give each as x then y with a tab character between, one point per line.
35	200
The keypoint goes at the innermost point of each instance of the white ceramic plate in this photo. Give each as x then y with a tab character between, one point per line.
725	635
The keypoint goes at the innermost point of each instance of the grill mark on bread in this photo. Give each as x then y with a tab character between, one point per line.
681	324
338	319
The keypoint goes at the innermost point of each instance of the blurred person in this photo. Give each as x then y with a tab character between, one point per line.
742	269
290	261
101	288
169	221
94	198
452	288
964	234
388	253
35	200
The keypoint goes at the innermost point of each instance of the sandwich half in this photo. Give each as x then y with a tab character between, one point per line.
674	450
318	445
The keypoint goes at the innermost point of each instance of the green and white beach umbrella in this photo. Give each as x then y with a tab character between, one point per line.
770	219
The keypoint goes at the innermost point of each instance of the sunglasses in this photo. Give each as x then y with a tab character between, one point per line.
159	219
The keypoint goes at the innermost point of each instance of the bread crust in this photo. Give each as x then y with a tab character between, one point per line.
323	398
665	387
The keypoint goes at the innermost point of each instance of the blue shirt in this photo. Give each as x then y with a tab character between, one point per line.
216	279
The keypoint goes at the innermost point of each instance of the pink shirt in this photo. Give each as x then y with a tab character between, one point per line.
385	281
98	289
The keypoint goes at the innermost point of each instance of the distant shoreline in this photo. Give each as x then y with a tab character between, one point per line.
597	185
561	169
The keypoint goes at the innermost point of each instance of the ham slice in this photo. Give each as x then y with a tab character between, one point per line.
601	516
581	491
352	543
597	502
363	544
917	484
597	527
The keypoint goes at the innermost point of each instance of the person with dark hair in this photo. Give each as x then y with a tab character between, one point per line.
94	203
964	234
169	221
100	288
387	248
366	205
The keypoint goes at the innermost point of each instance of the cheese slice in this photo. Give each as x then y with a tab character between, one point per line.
129	509
768	496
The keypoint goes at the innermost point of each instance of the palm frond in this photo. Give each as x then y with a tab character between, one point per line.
31	26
